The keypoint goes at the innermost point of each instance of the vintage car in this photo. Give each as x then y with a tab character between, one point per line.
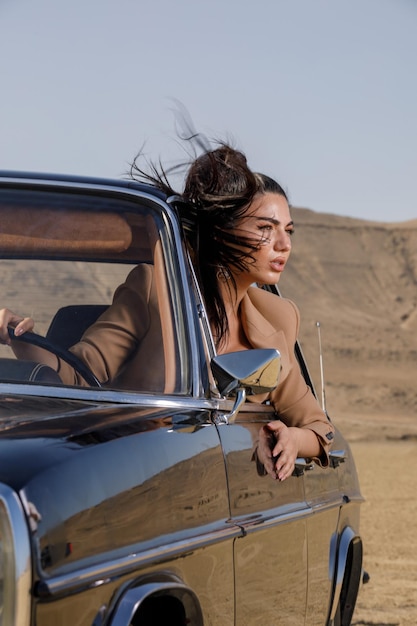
148	504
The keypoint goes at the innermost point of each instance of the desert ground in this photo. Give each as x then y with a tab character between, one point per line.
388	475
358	279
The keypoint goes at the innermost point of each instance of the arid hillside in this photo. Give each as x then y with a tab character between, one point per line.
359	280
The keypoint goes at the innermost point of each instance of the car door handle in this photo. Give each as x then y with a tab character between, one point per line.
302	465
336	457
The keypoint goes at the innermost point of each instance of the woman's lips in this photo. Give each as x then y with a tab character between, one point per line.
278	264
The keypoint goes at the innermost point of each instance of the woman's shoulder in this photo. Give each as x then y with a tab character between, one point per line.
270	303
138	283
281	313
140	271
140	277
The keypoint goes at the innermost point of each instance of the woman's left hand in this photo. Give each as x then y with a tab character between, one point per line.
285	449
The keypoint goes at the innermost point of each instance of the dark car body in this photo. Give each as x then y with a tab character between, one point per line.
148	504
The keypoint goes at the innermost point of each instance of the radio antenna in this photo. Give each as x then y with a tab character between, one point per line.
323	395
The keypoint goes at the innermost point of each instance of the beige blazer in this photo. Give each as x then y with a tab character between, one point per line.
272	322
125	347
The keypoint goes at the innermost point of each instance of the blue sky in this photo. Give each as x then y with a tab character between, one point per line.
320	94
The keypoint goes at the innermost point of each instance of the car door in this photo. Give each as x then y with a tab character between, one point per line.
271	558
323	497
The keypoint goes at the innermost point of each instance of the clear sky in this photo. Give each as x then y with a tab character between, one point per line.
320	94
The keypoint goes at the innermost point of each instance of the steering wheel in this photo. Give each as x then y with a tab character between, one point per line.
66	355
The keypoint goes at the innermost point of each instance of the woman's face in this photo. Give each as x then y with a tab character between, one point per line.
269	225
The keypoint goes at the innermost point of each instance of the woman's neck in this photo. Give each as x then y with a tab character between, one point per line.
235	338
232	296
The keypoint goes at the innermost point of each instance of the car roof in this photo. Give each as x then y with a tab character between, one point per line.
27	176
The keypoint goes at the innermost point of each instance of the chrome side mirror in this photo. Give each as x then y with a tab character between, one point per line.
245	372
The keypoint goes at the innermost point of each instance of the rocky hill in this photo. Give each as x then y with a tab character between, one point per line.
359	280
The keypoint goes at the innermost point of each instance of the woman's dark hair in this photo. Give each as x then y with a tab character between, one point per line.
219	188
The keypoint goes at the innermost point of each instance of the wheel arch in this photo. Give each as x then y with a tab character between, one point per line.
346	572
170	596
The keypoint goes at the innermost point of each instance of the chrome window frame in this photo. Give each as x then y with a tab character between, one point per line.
177	269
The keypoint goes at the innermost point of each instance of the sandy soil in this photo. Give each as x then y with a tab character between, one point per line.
388	474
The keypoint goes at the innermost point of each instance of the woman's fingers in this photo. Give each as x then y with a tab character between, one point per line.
25	326
285	450
6	317
20	324
284	467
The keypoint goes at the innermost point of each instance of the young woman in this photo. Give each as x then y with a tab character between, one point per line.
240	230
239	227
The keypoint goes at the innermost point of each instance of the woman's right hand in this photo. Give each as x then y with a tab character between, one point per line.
20	324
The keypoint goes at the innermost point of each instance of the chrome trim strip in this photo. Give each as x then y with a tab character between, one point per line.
318	507
275	518
19	538
279	516
101	574
117	398
338	503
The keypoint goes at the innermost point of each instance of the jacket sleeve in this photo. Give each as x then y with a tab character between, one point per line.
293	400
108	343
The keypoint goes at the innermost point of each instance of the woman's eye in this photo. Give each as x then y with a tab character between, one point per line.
291	231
